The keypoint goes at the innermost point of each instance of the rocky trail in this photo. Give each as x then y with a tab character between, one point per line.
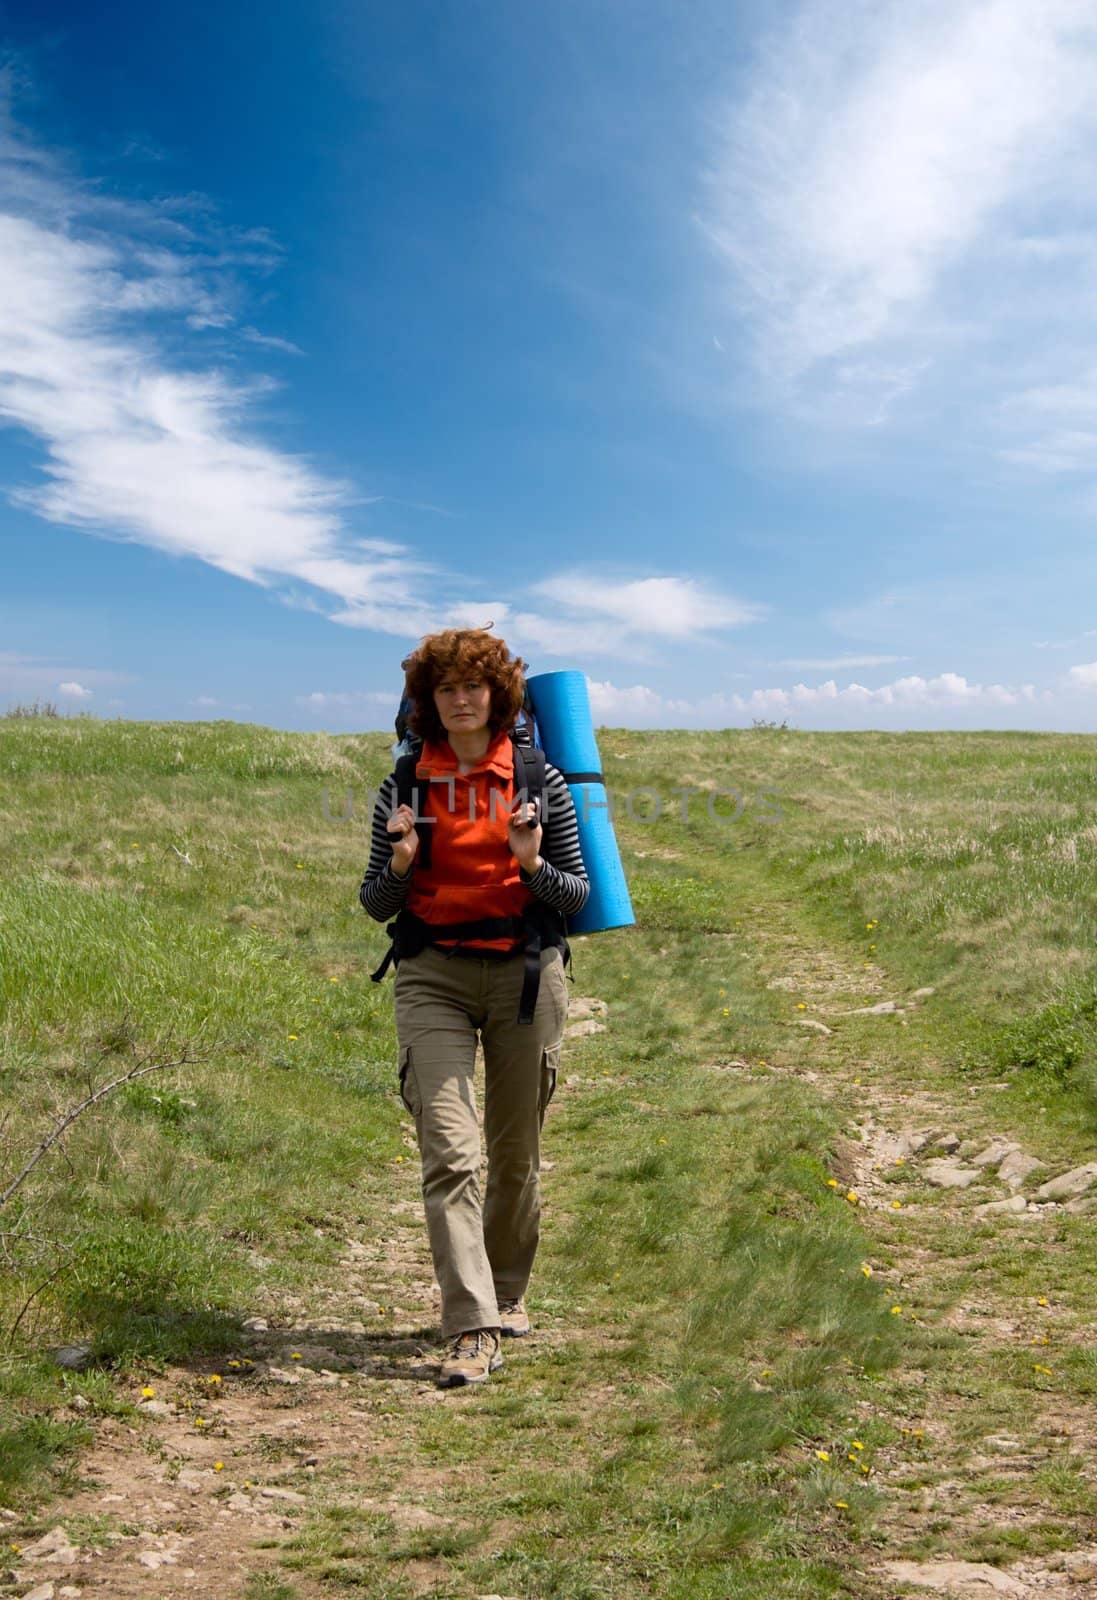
205	1489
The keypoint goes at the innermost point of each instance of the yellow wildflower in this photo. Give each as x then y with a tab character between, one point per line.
842	1505
291	1036
800	1006
234	1363
147	1392
1042	1300
295	1355
896	1310
214	1377
218	1466
852	1196
727	1011
832	1183
1045	1370
824	1455
856	1444
867	1271
897	1205
865	1467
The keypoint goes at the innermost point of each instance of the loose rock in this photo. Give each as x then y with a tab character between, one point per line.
581	1030
881	1008
947	1175
923	994
965	1578
585	1005
1017	1167
994	1153
809	1022
1014	1205
73	1357
156	1408
53	1546
1069	1184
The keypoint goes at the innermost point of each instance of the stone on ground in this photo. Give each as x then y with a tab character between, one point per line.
965	1578
950	1175
1069	1184
1017	1167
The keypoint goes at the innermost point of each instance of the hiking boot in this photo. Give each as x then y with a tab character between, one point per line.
470	1358
514	1323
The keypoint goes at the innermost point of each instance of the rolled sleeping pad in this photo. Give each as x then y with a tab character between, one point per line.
561	706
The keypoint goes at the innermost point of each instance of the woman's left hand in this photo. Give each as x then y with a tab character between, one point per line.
524	841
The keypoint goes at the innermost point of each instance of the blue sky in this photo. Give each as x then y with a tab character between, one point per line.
743	357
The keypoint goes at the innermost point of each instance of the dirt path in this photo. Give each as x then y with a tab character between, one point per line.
922	1163
206	1491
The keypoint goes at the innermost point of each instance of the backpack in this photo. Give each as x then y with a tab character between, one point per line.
540	928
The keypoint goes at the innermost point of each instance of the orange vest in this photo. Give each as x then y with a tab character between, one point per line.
472	873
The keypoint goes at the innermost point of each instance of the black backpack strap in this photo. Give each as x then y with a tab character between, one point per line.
529	774
413	791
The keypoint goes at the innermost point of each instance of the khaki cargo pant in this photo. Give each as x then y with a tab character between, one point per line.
482	1252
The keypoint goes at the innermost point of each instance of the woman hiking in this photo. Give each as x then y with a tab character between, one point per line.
479	878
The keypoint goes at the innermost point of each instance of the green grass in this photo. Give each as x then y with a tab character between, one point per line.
733	1333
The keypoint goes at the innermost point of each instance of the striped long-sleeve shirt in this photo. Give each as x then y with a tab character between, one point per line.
561	880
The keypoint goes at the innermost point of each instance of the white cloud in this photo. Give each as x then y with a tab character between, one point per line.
206	700
321	700
271	341
899	201
75	691
1083	676
855	704
674	608
144	443
140	443
22	675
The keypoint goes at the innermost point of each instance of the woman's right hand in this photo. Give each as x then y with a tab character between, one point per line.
405	840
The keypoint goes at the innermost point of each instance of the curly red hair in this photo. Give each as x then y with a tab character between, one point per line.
467	653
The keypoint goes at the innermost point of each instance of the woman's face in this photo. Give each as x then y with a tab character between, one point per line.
463	704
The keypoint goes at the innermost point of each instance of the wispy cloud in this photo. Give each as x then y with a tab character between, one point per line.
901	198
591	612
837	663
143	443
343	699
271	341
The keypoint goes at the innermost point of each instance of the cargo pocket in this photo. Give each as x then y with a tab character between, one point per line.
550	1064
409	1088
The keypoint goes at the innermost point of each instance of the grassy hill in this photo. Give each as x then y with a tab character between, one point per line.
185	895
